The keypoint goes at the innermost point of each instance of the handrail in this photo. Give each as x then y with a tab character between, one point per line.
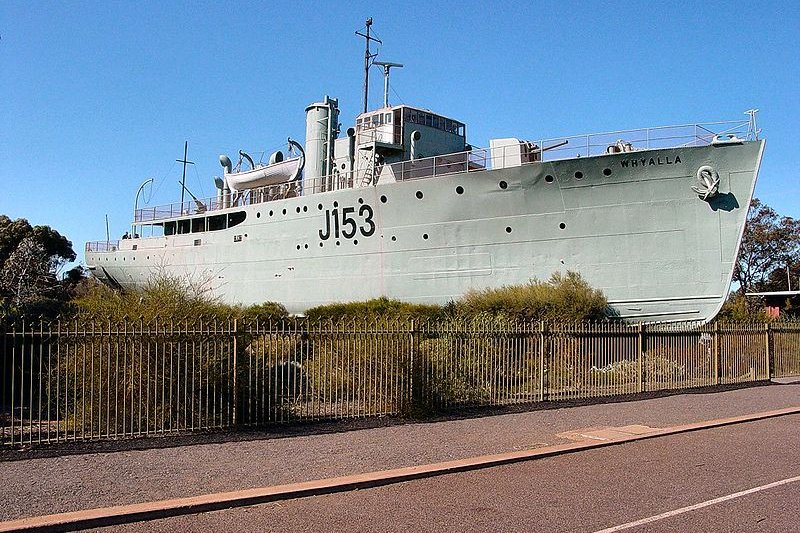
102	246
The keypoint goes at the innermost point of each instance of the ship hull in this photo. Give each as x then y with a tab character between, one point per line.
629	223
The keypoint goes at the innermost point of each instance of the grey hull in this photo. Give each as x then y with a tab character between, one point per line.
628	222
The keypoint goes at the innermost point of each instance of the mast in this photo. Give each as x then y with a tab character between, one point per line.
368	57
185	162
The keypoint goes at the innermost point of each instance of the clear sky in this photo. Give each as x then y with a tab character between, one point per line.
96	97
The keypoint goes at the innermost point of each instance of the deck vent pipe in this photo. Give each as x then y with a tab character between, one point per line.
415	136
351	148
225	161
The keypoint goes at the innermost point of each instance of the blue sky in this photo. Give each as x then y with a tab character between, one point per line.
95	97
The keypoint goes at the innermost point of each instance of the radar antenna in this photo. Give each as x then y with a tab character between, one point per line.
368	57
386	66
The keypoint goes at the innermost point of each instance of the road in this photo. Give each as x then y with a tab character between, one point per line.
105	474
588	491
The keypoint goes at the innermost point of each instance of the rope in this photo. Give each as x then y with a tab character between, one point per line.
162	179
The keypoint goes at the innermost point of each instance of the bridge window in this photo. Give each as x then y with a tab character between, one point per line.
198	225
183	226
234	219
217	222
434	121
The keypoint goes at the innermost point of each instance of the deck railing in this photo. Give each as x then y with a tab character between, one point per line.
68	382
102	246
475	160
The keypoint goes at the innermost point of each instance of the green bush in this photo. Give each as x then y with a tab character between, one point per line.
563	298
737	308
164	298
373	309
262	312
476	360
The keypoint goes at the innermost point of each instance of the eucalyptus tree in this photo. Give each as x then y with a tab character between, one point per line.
31	262
770	243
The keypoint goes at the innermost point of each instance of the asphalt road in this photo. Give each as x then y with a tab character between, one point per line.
587	491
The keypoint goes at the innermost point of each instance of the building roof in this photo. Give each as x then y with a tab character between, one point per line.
773	293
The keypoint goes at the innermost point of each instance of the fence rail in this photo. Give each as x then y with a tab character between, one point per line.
68	382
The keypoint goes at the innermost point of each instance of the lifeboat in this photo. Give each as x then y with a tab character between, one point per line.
264	176
278	171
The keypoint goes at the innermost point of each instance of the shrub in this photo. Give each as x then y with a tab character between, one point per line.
373	309
262	312
564	297
164	298
737	308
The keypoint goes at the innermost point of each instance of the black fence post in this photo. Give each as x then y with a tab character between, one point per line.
543	366
768	347
414	389
640	355
235	399
717	365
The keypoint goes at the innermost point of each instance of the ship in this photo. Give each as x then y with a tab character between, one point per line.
401	206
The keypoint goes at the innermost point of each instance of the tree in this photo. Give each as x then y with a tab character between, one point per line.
31	259
783	277
769	243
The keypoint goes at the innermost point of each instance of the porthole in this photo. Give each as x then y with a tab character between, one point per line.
508	229
394	238
305	246
271	213
503	185
549	178
320	245
319	206
355	241
305	209
298	209
419	195
361	200
335	204
298	246
459	190
284	211
425	236
338	243
562	225
383	199
258	214
578	175
606	172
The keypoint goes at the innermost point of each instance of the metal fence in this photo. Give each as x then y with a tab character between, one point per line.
67	382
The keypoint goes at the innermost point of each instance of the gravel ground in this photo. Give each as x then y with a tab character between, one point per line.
45	485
